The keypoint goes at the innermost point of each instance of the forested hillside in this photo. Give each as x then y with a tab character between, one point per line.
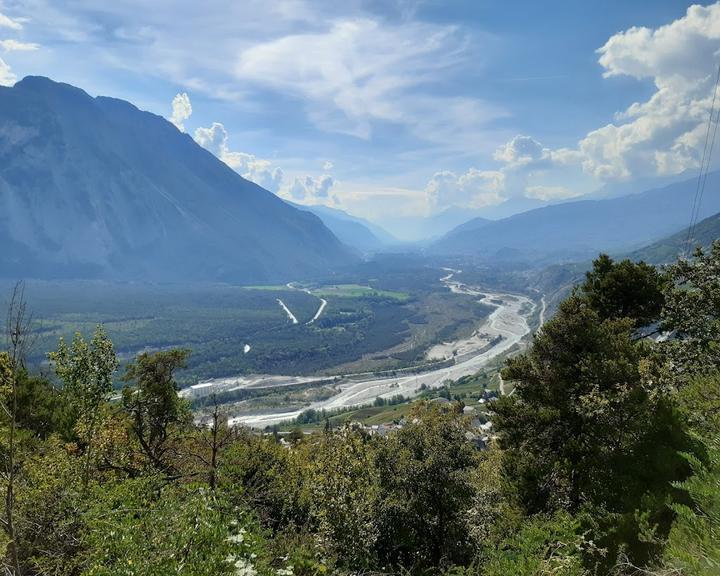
664	251
605	460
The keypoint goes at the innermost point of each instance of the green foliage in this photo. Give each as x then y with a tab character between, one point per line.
7	375
624	290
153	404
141	528
343	497
597	459
583	431
50	504
43	409
86	369
544	546
692	313
693	546
425	474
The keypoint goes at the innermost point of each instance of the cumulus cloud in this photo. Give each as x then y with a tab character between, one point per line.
7	22
548	193
181	110
523	161
522	151
215	139
311	189
7	78
15	46
663	135
327	165
473	189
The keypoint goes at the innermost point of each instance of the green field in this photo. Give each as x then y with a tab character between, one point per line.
358	291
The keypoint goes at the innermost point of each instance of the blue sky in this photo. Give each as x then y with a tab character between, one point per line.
398	109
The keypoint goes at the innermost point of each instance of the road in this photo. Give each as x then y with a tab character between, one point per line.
323	302
287	311
509	321
319	312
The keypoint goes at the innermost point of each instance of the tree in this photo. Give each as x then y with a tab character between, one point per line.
43	409
425	473
583	431
692	314
12	364
542	546
86	369
693	546
624	289
211	440
343	490
152	402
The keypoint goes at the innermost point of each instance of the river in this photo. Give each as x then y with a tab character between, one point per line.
509	322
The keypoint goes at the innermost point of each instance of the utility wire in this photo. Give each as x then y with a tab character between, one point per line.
704	168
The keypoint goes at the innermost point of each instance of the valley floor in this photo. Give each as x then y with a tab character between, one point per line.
503	329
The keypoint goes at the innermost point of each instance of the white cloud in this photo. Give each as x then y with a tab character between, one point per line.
311	189
215	139
7	22
7	78
663	135
181	110
549	193
522	151
327	165
474	189
357	72
15	46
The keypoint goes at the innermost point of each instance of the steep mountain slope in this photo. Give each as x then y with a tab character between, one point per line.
93	187
350	230
578	230
668	249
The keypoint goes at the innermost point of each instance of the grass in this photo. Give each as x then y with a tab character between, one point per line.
358	291
268	287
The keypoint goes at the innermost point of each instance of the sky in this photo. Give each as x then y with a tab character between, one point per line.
399	109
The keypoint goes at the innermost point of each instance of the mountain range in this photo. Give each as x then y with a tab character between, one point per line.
352	231
95	188
578	230
668	249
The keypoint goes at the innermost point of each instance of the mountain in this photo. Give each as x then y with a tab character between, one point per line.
350	230
668	249
95	188
430	228
578	230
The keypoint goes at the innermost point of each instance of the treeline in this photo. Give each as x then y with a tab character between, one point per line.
607	460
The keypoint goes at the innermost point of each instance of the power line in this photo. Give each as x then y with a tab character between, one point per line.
704	169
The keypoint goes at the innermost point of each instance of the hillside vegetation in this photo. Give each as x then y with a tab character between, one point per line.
605	459
668	249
